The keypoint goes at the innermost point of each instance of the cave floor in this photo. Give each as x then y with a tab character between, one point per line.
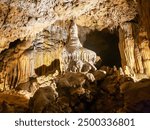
108	93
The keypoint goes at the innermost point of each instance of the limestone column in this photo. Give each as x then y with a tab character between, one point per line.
145	51
126	47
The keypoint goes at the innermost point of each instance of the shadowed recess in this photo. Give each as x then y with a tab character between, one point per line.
45	70
105	44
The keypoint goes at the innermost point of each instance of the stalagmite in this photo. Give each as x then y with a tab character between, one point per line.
121	71
74	56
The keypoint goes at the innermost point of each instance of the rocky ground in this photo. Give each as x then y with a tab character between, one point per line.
101	91
11	101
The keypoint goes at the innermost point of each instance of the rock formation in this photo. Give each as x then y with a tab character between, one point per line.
74	56
134	48
45	57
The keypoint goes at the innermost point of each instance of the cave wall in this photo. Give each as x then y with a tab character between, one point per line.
34	32
42	27
144	14
31	58
134	41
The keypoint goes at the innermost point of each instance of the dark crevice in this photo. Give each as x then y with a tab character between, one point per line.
105	44
11	45
46	70
14	44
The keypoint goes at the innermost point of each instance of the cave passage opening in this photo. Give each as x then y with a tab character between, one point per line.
105	44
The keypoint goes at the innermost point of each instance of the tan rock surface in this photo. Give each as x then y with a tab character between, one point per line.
24	18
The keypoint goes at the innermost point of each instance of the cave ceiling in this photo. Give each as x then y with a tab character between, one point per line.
23	19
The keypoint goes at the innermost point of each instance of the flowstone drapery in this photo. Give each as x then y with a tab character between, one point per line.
74	57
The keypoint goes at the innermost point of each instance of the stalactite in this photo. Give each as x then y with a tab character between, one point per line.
121	47
145	51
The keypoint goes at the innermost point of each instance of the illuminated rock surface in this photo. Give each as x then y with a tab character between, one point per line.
103	61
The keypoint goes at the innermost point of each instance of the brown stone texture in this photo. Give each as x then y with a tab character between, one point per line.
109	73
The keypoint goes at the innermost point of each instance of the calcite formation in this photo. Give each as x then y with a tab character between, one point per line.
134	49
24	18
44	54
34	32
74	57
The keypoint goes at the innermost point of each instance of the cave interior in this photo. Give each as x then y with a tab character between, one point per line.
75	56
105	44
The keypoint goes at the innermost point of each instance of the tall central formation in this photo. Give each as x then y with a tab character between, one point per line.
74	57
